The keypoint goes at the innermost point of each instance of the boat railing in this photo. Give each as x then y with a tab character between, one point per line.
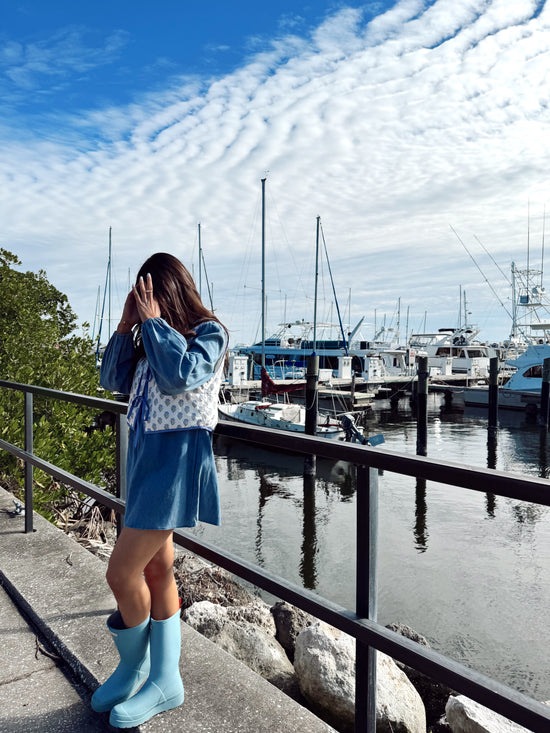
360	623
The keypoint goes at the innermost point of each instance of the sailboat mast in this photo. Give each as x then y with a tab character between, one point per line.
514	303
200	262
109	311
542	253
96	312
263	272
316	284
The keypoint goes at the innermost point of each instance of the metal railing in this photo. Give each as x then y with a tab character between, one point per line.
361	623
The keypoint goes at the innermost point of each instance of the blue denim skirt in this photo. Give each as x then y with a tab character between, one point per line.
171	479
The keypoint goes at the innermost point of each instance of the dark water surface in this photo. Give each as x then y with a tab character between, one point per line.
468	570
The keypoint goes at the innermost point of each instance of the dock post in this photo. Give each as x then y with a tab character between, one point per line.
544	393
366	602
422	407
493	393
312	401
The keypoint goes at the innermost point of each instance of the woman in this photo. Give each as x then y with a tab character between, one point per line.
167	353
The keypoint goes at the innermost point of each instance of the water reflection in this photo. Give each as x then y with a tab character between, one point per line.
420	529
543	454
463	581
490	499
308	571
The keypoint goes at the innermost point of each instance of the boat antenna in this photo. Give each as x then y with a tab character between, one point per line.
335	298
263	273
528	243
481	272
504	275
398	324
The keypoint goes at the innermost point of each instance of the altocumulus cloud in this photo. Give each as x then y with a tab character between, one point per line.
391	129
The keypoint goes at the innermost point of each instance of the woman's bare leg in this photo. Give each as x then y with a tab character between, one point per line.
159	575
134	550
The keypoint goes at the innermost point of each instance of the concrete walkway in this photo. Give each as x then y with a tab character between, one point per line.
55	649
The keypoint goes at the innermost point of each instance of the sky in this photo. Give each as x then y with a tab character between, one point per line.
416	130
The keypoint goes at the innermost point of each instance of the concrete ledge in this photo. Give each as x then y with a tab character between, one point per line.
61	587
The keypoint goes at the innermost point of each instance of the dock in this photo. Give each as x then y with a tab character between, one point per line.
56	649
350	394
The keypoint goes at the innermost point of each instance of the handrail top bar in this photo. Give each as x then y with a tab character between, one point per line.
515	486
81	399
65	477
512	486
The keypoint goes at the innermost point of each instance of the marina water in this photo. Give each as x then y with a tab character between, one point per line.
468	570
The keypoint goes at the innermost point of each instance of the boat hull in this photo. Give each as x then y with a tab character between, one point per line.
261	414
508	399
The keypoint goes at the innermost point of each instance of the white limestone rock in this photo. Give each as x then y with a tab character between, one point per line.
325	666
467	716
248	634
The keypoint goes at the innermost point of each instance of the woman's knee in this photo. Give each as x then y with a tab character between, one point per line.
160	569
119	578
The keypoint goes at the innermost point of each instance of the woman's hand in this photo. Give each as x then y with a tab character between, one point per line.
130	315
147	306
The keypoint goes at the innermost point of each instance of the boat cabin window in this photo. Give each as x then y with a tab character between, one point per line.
534	372
443	351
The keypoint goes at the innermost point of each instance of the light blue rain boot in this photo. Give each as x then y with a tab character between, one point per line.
133	669
164	688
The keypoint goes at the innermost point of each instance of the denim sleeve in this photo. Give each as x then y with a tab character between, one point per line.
118	363
179	364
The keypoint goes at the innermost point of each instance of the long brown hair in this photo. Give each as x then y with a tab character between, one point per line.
176	293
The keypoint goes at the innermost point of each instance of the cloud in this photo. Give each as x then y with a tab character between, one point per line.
391	128
33	65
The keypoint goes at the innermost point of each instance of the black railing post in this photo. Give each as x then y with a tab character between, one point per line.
121	454
29	494
366	596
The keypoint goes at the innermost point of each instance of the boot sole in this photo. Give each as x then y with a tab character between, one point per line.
169	704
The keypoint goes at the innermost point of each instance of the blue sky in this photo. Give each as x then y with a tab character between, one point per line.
393	121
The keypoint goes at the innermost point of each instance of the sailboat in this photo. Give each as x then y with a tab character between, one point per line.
266	412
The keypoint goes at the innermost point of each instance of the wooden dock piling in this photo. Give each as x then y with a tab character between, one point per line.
422	407
493	393
312	404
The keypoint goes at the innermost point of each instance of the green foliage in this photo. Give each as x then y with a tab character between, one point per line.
38	346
